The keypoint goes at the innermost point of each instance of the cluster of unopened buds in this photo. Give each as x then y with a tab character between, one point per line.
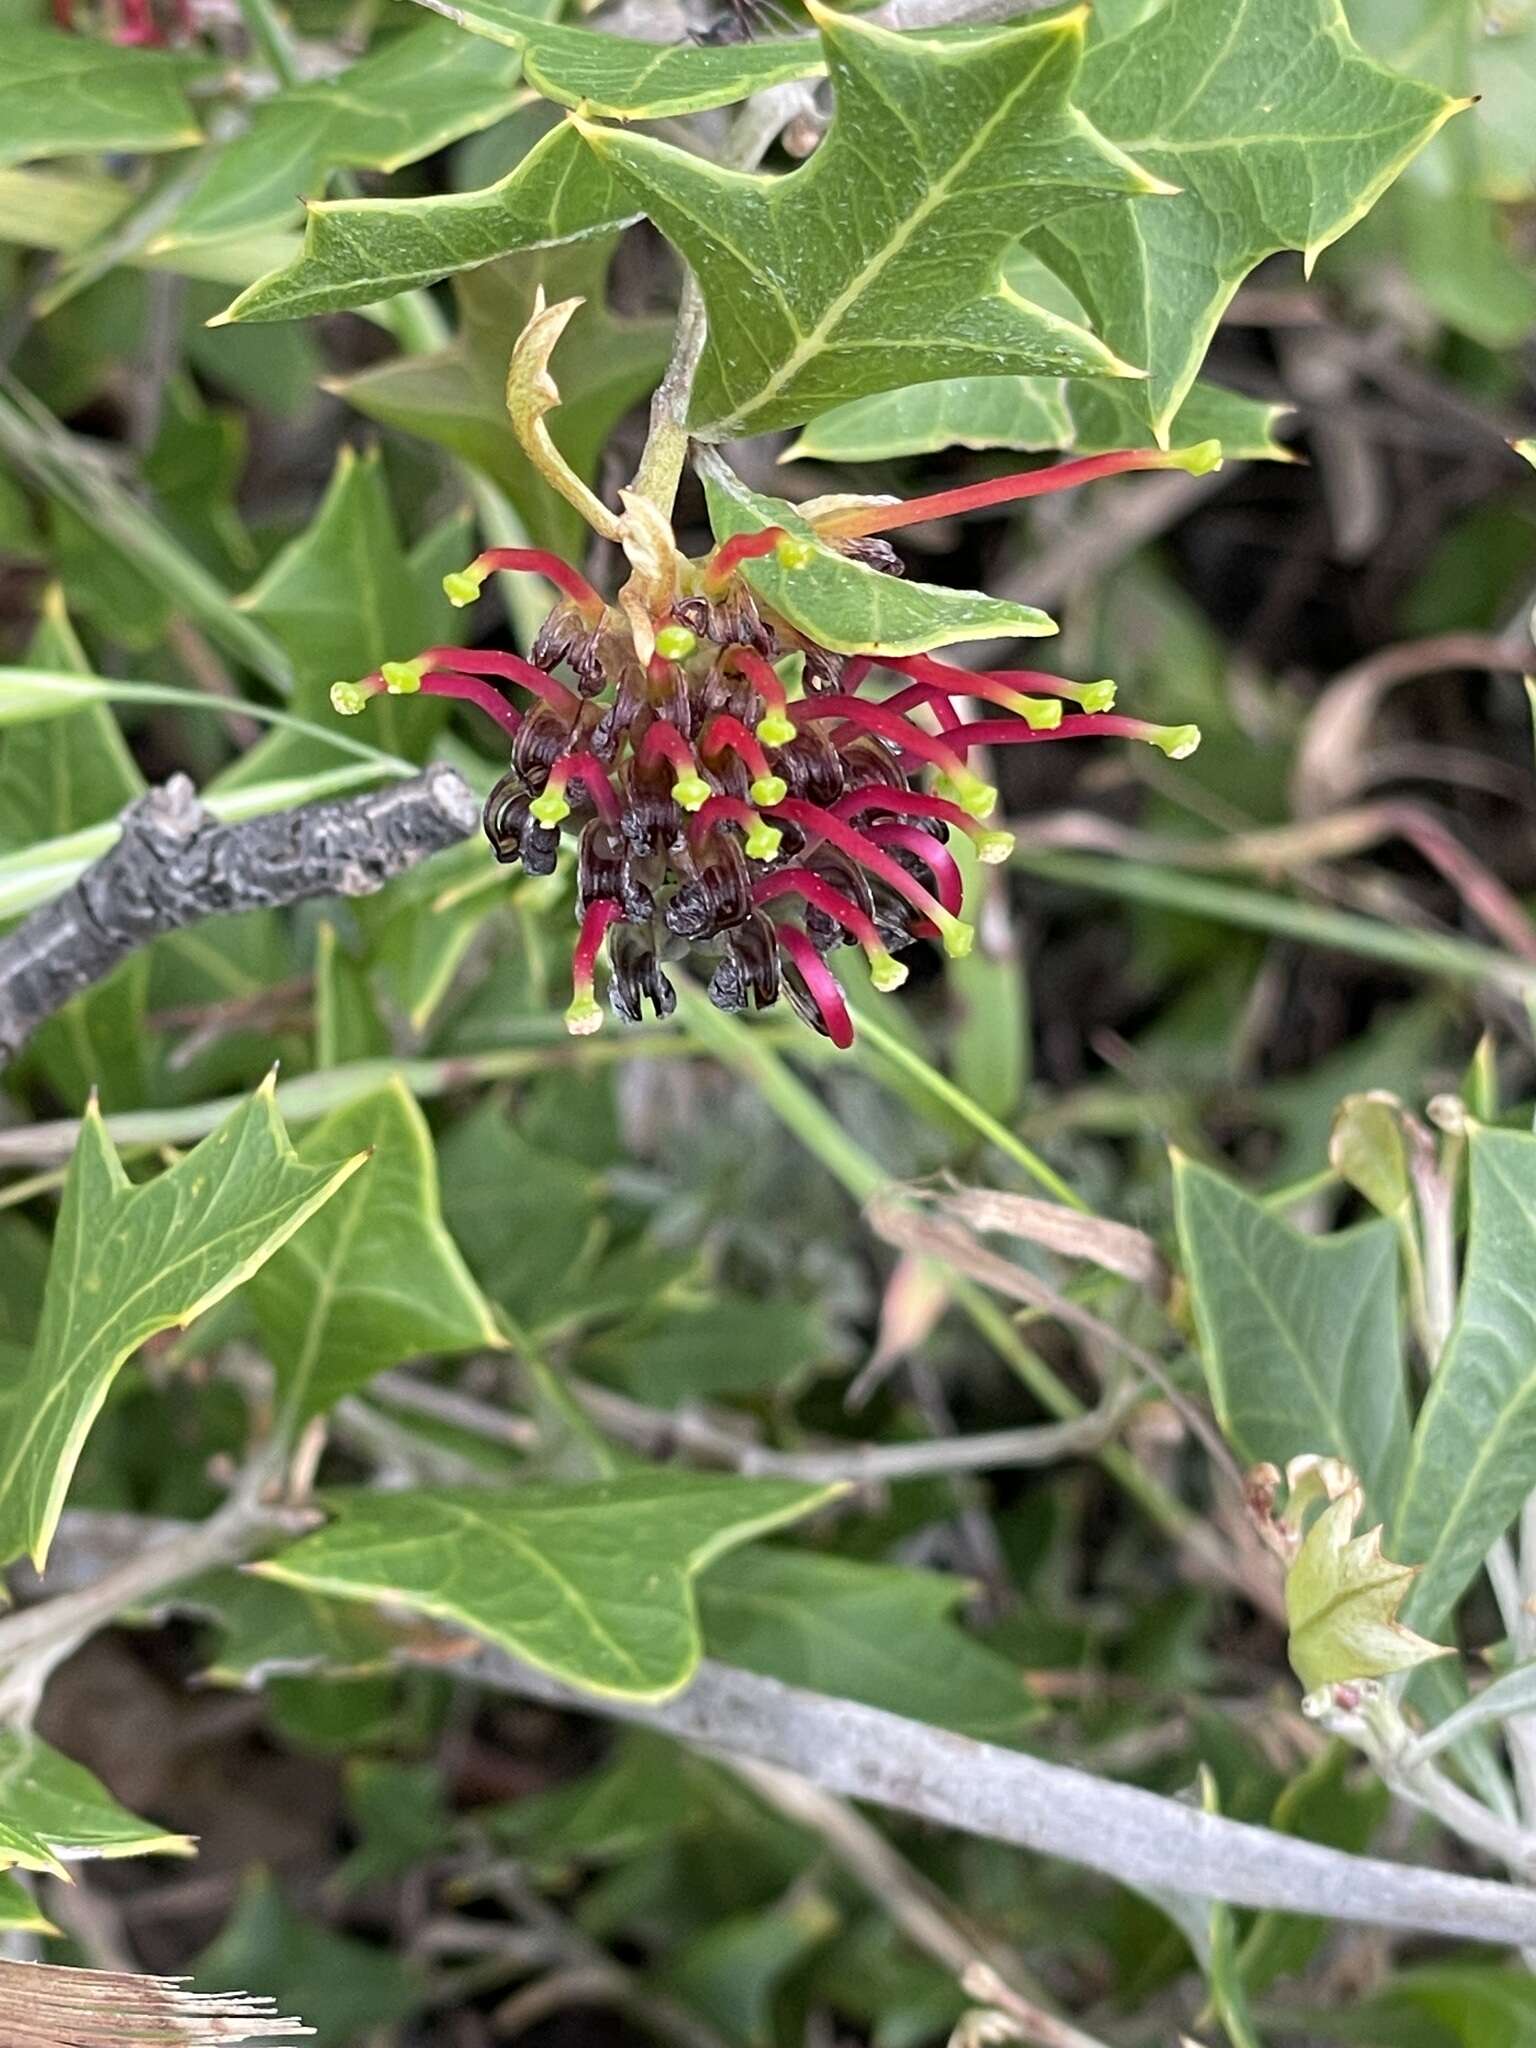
742	792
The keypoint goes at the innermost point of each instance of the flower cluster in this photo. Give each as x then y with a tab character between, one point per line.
741	793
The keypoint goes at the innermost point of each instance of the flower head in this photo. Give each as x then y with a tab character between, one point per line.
738	793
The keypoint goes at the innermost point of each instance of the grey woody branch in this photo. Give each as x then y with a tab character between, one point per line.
175	865
1138	1838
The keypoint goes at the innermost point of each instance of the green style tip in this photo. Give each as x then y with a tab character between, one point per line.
775	730
349	699
1178	742
769	790
676	643
692	792
550	810
583	1017
462	587
1198	460
401	678
790	552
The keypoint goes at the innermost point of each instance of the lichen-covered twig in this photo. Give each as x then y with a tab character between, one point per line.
175	865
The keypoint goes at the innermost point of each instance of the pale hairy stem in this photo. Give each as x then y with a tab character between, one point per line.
1135	1837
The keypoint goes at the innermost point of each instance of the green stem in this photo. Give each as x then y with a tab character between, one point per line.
57	463
942	1089
747	1051
1343	931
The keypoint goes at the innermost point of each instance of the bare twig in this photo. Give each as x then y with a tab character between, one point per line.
690	1432
175	865
36	1640
1138	1838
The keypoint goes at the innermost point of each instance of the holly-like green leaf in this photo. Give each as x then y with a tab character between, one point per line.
342	597
348	1990
376	1278
1473	1459
592	1582
880	262
130	1261
357	251
52	1811
58	778
842	603
871	1632
1299	1335
627	80
19	1911
65	95
457	397
1342	1599
1488	50
1089	415
1278	132
270	1631
413	94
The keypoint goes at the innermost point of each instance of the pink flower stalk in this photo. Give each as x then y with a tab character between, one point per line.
762	840
552	806
1040	711
1176	741
816	823
991	847
857	520
775	728
494	661
665	742
886	971
978	797
583	1016
727	735
925	696
410	679
748	547
821	984
462	586
934	855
